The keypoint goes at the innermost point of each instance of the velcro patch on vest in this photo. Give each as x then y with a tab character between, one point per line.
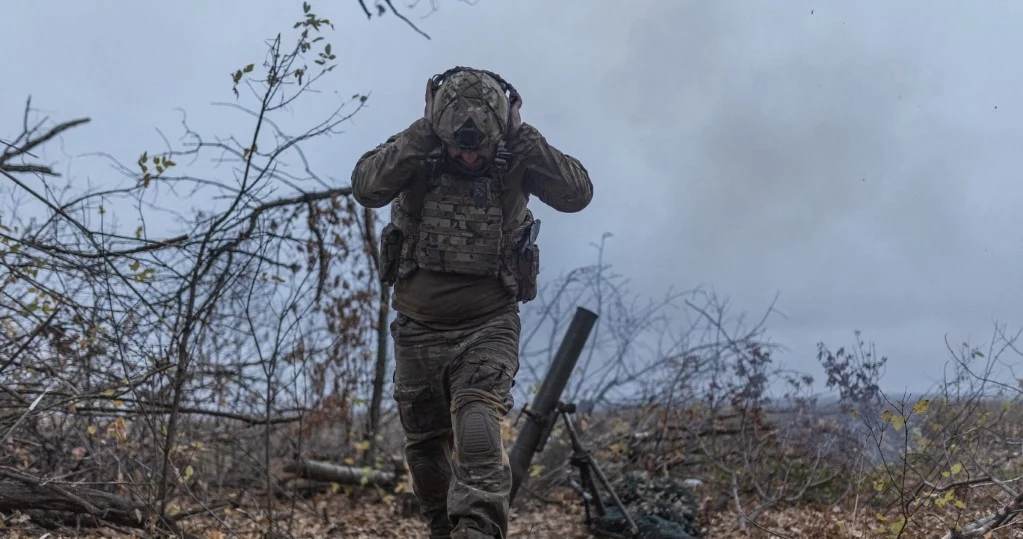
460	230
479	192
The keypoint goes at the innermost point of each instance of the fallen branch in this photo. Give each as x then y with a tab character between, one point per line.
346	475
26	493
161	408
980	527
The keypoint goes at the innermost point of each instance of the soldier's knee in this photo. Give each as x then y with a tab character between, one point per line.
479	428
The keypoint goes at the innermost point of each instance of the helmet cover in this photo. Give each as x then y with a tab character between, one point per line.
470	110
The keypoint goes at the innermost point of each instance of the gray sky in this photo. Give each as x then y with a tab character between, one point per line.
855	158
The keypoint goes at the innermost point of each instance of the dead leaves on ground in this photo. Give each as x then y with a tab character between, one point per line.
332	516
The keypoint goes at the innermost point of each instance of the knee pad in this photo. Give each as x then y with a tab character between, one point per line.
479	431
430	473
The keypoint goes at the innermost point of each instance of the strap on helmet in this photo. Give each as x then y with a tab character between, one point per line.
512	93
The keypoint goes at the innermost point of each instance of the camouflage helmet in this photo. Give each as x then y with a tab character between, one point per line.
470	109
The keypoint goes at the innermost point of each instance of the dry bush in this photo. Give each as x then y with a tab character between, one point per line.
709	403
147	374
949	461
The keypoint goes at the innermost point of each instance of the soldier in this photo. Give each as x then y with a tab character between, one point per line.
460	254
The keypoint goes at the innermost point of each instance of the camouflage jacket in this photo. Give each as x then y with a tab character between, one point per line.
537	168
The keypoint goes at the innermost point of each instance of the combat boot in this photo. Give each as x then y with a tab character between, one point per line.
440	528
469	532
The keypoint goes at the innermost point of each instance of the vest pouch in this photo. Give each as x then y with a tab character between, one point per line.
390	253
528	269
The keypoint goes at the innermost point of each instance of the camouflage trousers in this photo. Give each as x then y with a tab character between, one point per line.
452	389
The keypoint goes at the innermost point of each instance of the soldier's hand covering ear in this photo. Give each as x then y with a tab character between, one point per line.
431	88
514	118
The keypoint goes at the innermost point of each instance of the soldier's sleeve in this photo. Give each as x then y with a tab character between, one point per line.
381	173
557	179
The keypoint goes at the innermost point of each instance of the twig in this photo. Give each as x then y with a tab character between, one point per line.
365	9
404	18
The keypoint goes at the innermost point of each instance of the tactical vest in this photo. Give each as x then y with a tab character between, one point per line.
454	223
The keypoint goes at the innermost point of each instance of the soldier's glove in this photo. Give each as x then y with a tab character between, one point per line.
514	118
431	88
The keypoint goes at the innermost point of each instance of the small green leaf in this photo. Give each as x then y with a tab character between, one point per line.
249	68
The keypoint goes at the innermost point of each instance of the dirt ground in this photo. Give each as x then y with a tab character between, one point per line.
334	516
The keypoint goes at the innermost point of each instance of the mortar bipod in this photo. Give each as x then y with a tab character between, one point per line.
583	460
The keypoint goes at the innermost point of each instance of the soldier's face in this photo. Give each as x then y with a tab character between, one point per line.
472	159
